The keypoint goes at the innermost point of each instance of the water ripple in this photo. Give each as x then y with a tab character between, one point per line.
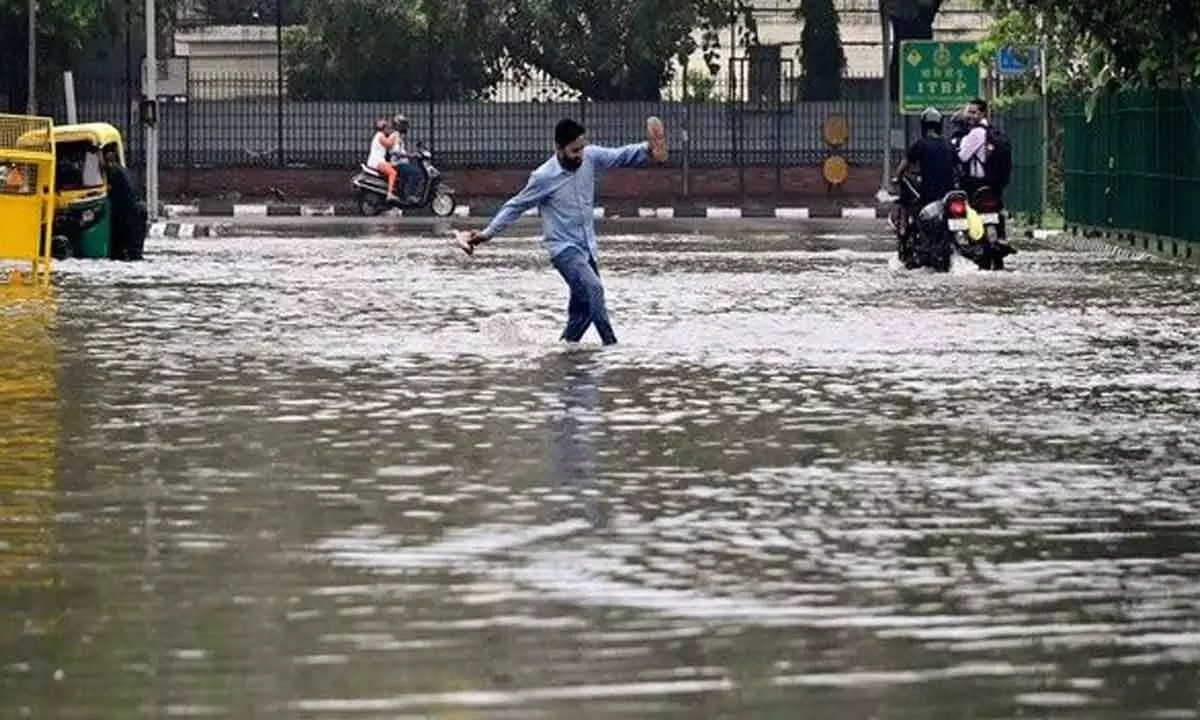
358	478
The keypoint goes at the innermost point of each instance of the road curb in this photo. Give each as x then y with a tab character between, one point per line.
224	209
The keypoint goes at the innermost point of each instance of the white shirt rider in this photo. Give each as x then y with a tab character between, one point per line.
972	150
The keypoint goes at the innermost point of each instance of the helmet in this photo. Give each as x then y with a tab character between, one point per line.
958	124
931	119
400	121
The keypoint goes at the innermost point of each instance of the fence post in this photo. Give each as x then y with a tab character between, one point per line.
432	49
128	78
279	87
685	138
735	116
785	69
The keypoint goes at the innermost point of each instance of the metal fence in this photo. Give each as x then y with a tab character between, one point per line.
1023	124
1135	167
229	121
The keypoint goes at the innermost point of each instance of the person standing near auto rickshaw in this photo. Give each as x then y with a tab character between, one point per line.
128	218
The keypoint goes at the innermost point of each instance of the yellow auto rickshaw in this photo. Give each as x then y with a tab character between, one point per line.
92	221
27	200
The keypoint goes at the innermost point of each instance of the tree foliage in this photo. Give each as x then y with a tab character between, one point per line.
618	49
68	33
395	50
821	54
251	12
911	20
1112	43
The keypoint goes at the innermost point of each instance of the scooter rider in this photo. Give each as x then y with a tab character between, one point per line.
405	162
959	127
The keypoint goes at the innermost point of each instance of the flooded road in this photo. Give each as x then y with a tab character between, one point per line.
358	479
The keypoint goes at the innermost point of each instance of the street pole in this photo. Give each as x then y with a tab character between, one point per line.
149	103
279	88
885	96
1045	119
31	93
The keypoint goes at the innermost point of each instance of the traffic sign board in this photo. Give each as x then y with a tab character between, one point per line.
937	74
1016	60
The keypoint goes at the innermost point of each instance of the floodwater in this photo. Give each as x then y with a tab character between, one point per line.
358	479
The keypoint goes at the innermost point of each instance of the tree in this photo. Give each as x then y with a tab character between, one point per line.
62	26
65	30
1127	43
1092	47
250	12
821	53
911	20
395	50
620	49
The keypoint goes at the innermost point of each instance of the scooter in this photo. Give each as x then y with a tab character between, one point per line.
371	189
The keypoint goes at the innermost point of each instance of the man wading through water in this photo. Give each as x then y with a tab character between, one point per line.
563	189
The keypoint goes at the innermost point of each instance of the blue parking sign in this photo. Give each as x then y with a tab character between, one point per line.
1016	60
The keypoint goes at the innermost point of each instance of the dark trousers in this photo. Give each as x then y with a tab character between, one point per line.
586	306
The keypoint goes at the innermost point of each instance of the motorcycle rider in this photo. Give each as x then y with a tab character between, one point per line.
959	127
381	142
975	152
973	149
935	157
405	162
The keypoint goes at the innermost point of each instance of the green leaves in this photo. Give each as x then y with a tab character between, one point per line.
1130	43
617	49
395	50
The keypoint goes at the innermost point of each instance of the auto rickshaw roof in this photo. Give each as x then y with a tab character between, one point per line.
101	133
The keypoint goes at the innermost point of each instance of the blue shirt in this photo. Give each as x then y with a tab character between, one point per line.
565	199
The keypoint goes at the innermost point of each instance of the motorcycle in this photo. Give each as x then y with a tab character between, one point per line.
990	251
941	231
371	189
903	217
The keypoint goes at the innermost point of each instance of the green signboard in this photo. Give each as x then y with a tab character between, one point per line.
937	74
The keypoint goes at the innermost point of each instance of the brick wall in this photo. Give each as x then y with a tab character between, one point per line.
647	185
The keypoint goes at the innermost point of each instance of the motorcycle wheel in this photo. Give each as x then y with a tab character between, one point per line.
941	255
992	259
370	204
443	203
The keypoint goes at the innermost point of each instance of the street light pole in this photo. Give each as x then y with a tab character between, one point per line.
31	93
885	97
149	105
1045	114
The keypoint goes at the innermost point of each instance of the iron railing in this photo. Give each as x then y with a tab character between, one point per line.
230	121
1134	168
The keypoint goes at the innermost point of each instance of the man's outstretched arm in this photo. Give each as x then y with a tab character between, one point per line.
606	158
535	191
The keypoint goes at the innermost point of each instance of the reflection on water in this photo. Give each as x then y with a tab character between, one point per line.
29	436
294	486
